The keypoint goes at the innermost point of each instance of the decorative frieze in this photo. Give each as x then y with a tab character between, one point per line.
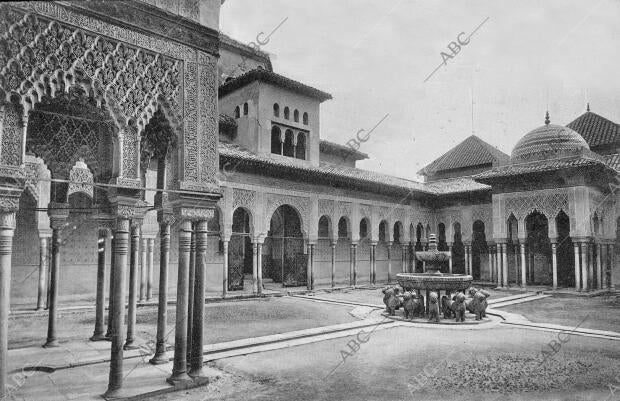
548	203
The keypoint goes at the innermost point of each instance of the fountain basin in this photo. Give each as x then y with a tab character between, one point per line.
434	282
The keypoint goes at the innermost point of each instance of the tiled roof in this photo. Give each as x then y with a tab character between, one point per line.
542	166
331	147
472	152
596	130
260	74
352	175
613	161
227	41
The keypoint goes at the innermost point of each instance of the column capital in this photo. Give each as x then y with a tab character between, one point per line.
58	214
166	217
194	214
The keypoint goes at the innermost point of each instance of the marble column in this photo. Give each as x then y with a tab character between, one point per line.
196	360
471	260
42	288
333	279
259	267
354	264
389	256
57	222
554	264
492	262
121	245
505	264
467	267
255	270
577	267
98	334
162	308
7	228
373	262
133	286
108	334
584	266
523	274
149	279
405	249
225	269
179	368
143	269
599	266
498	256
612	249
190	290
591	266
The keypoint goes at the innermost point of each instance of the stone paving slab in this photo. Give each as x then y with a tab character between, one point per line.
492	301
520	300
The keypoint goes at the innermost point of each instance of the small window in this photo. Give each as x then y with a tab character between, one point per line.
276	141
245	109
300	150
289	149
305	118
237	112
296	116
286	113
276	110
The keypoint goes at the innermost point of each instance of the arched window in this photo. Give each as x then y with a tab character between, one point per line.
237	112
276	141
245	109
300	150
276	110
288	144
324	227
343	231
286	113
296	115
305	118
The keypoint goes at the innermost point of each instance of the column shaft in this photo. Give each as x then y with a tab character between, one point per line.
108	334
584	266
505	264
498	256
255	270
523	275
466	259
373	261
42	288
98	334
143	270
196	360
333	279
354	261
121	244
405	249
179	368
149	279
389	255
259	267
599	267
190	290
7	227
162	297
577	267
554	264
591	266
225	270
133	287
55	277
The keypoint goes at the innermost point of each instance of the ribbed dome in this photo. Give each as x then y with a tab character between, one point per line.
548	141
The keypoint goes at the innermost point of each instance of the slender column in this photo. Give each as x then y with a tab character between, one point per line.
354	263
554	262
584	266
591	266
98	334
492	262
373	262
179	368
225	270
108	334
57	224
255	270
196	360
599	266
143	270
516	249
333	264
162	308
149	279
389	255
405	249
259	262
450	260
612	286
121	244
498	264
577	267
311	266
42	289
7	228
133	286
523	275
466	259
190	290
505	264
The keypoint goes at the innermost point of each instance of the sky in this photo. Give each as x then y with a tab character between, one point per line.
374	57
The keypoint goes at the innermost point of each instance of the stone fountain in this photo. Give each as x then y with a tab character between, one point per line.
433	280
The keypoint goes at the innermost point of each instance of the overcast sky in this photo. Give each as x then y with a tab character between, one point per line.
373	57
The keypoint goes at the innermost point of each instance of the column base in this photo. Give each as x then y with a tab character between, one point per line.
159	359
98	337
114	394
179	379
130	344
197	374
53	343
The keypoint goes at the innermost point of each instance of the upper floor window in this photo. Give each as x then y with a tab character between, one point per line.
237	112
300	149
289	147
296	116
286	113
276	141
305	118
245	109
276	110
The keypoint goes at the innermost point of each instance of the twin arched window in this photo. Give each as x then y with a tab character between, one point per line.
288	145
